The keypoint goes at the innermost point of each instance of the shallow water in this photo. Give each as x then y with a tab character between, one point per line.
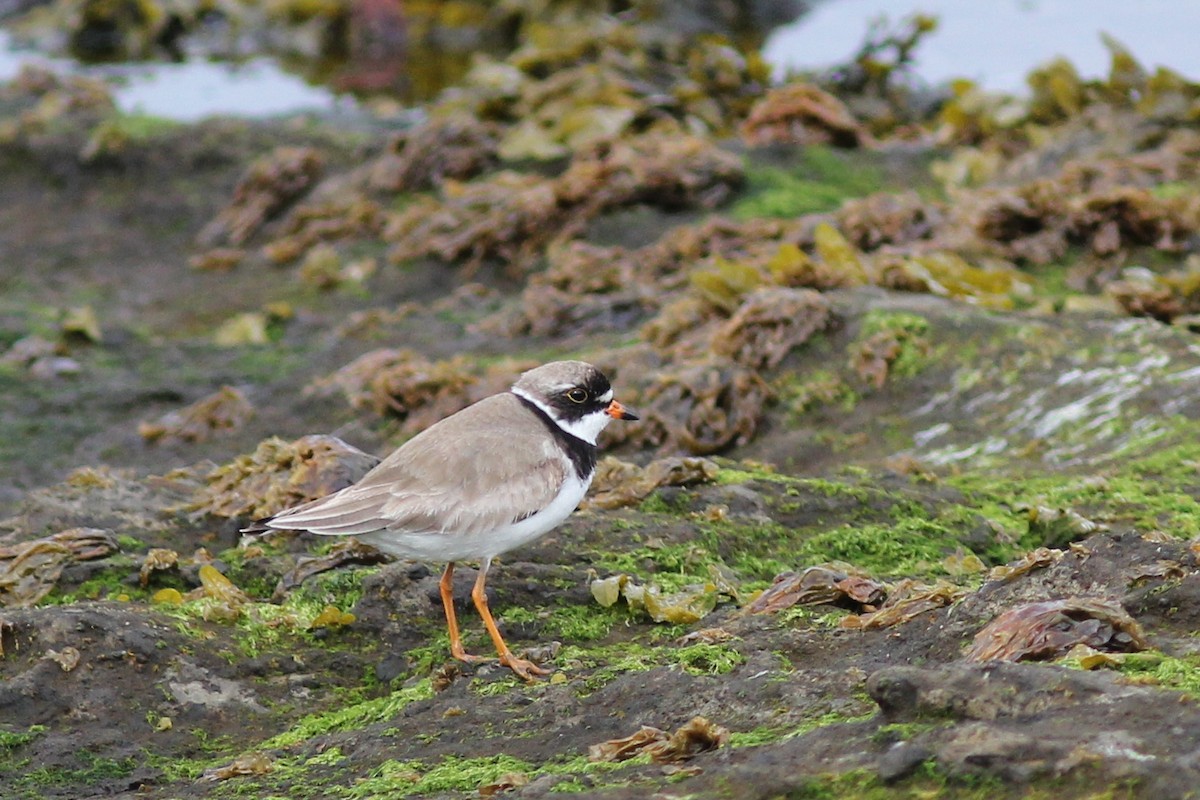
192	90
996	42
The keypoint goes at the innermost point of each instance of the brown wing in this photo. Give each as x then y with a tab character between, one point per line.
484	467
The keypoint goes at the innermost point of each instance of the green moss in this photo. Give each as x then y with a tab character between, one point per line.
820	180
1156	669
744	473
668	566
496	687
768	734
582	765
94	769
340	587
179	769
1150	491
910	332
828	620
659	503
138	127
129	543
816	389
453	774
571	623
11	740
604	663
593	667
351	717
707	659
425	658
904	731
909	547
887	532
262	627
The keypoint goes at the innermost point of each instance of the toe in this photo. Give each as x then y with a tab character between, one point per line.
524	669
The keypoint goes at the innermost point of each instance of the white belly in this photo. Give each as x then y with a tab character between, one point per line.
450	546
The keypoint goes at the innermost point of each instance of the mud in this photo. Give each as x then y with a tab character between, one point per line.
848	390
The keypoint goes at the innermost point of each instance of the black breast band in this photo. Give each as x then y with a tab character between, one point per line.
581	453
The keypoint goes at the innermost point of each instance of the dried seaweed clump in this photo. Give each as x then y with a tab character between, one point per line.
702	406
1049	629
454	147
510	217
507	217
225	410
821	257
897	345
832	584
621	483
269	185
280	474
885	218
874	82
586	288
403	384
1039	221
671	171
697	736
907	600
1166	297
577	81
1129	96
802	114
37	102
770	324
1060	94
680	248
29	570
341	216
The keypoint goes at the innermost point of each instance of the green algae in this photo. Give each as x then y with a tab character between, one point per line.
816	389
888	532
107	584
1181	674
93	769
820	181
770	734
707	659
11	764
907	547
11	740
591	668
909	331
570	622
1153	491
352	717
407	778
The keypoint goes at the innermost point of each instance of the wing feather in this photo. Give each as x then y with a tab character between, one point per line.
478	470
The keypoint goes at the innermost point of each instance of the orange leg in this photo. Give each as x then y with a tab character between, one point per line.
446	584
524	668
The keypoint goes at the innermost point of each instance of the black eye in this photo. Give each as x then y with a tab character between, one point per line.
577	395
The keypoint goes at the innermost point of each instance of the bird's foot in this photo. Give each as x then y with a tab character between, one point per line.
523	668
467	658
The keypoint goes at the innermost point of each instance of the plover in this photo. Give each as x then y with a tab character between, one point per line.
492	477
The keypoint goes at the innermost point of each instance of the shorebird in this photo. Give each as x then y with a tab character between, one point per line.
492	477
